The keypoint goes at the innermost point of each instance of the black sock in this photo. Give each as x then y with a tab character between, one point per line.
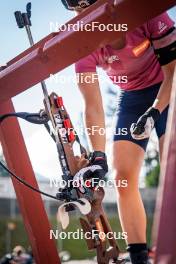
138	253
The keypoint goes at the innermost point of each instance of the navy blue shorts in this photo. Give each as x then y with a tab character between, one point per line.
133	104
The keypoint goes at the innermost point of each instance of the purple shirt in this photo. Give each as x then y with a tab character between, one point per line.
137	59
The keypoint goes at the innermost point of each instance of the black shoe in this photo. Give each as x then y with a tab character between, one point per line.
140	257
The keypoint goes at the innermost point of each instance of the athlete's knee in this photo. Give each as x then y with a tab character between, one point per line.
126	183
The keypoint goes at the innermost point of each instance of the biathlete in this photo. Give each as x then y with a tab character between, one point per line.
147	56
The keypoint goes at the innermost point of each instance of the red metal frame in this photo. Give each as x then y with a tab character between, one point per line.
166	204
56	52
50	55
31	205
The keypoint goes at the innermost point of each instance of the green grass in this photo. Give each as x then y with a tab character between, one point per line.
77	248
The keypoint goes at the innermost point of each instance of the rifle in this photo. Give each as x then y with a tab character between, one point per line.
90	201
96	220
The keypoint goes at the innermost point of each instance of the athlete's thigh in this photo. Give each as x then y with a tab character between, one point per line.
127	159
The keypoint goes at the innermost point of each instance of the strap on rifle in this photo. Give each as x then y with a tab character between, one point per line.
62	215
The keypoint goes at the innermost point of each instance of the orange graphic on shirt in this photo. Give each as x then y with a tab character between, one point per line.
141	47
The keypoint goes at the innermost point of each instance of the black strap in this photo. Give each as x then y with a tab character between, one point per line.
35	118
39	119
25	183
164	35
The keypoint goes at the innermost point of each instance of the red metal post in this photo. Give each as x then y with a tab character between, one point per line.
30	202
58	51
166	203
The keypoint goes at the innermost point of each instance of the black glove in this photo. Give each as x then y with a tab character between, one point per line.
95	172
143	128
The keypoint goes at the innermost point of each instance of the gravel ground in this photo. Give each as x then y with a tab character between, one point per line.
85	262
88	262
81	262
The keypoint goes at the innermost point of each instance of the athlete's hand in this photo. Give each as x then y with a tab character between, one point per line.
143	128
95	171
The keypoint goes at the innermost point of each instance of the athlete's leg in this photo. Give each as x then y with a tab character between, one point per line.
128	158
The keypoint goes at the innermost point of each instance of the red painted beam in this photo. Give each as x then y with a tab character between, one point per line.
30	202
55	53
166	202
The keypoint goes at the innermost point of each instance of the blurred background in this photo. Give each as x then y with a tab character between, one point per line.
46	17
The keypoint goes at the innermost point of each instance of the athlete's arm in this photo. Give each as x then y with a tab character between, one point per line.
94	118
164	93
95	121
165	49
142	129
93	111
163	37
